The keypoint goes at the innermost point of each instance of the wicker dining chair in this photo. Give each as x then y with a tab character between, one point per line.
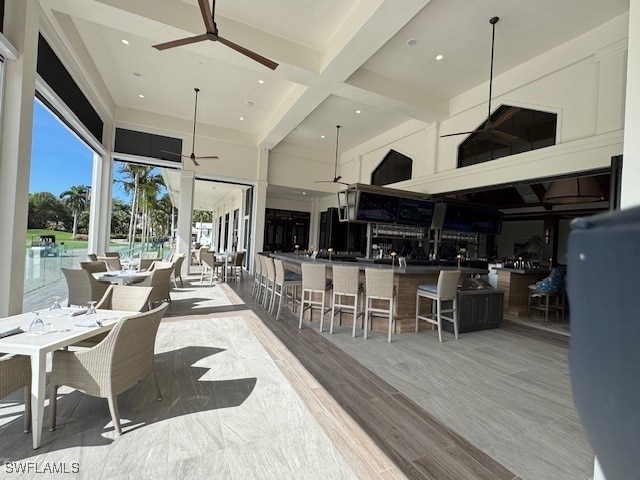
270	281
113	263
92	257
346	285
177	261
94	267
314	282
235	266
145	263
209	265
379	287
112	254
15	373
124	358
446	290
149	255
160	280
83	288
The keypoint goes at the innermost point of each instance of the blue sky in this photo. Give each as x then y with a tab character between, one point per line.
59	160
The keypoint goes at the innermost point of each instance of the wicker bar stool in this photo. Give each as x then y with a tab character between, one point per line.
314	280
379	286
445	290
346	286
257	274
269	282
262	288
284	280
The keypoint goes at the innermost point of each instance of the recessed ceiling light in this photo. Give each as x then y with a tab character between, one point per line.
321	136
261	81
241	118
141	95
412	41
304	193
439	57
125	41
358	111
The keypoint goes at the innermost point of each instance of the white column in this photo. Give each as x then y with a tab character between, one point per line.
314	224
21	29
101	195
185	209
631	150
260	201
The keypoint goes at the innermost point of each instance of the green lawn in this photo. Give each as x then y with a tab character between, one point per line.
60	237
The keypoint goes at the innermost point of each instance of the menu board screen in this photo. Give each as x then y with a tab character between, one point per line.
458	218
374	207
417	213
486	221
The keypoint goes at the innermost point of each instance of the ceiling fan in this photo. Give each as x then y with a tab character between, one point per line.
336	177
193	157
212	34
489	126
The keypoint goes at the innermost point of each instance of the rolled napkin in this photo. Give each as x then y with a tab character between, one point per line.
75	313
88	322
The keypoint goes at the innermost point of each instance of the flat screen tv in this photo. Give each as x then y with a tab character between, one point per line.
458	218
415	213
373	207
486	221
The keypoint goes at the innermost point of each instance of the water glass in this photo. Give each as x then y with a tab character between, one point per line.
55	306
37	325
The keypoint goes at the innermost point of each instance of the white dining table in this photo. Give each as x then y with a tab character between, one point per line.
226	256
60	332
122	277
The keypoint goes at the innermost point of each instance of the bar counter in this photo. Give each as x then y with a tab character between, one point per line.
406	280
515	283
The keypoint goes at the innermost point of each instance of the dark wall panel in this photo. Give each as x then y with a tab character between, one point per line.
2	16
147	145
53	72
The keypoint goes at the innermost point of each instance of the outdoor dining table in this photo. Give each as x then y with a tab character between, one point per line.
122	277
59	332
226	256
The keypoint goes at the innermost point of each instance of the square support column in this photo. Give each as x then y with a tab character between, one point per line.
21	29
185	211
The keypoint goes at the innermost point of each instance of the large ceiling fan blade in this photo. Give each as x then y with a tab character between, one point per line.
210	157
207	16
459	133
505	135
252	55
505	116
174	153
182	41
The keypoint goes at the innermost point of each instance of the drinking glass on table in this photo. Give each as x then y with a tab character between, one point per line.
37	325
92	314
55	306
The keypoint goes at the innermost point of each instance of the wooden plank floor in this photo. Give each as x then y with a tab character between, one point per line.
420	445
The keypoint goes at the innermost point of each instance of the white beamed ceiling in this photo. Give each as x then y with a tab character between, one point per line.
335	57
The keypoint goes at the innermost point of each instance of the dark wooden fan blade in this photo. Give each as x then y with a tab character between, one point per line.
252	55
207	16
195	162
182	41
505	116
212	157
337	179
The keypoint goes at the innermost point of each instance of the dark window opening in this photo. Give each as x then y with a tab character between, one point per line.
284	229
395	167
148	145
515	130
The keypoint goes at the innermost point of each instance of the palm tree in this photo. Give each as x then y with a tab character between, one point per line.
76	199
130	183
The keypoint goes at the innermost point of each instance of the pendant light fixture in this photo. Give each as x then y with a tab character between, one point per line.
573	190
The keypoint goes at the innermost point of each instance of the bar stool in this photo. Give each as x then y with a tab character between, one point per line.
546	302
269	281
379	286
346	283
284	280
257	274
445	290
314	280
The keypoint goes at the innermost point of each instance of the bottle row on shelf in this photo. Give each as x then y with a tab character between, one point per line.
466	237
381	230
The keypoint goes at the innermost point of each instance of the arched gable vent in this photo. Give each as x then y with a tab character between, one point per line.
394	167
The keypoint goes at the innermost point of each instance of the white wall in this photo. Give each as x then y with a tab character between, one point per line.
288	204
572	80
